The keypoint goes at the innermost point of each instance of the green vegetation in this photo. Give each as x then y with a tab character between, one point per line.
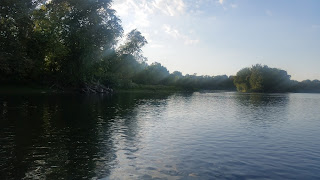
74	44
306	86
261	78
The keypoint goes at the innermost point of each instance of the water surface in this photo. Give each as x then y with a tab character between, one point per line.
160	136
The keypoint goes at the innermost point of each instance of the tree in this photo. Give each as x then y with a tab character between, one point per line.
80	32
133	45
129	60
153	74
242	80
15	31
260	78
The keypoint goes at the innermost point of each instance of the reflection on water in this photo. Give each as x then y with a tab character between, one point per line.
65	136
160	136
262	109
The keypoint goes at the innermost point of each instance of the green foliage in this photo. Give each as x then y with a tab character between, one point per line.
260	78
242	80
61	40
153	74
134	42
306	86
206	82
15	30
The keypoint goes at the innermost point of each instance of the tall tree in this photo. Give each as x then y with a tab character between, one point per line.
81	32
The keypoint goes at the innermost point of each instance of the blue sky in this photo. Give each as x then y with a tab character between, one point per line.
215	37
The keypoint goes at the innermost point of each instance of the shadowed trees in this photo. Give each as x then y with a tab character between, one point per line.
60	40
307	86
261	78
129	60
80	33
16	28
153	74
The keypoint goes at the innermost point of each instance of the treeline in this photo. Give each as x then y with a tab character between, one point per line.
76	44
261	78
72	43
306	86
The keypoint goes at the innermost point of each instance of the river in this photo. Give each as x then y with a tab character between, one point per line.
218	135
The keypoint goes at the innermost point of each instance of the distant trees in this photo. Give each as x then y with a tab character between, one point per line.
206	82
307	86
153	74
261	78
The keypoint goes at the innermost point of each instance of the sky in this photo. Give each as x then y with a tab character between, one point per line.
217	37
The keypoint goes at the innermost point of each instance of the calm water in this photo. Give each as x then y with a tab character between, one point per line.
160	136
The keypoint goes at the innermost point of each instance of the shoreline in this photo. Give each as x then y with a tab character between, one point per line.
20	89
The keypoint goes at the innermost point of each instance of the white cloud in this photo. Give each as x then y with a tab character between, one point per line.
221	1
191	41
167	7
121	8
138	12
177	35
143	15
170	7
172	32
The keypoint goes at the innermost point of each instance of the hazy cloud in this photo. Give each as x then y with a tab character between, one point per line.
169	7
172	32
191	41
141	14
234	5
177	35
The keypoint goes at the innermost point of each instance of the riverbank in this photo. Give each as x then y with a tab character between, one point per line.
20	89
150	89
34	89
